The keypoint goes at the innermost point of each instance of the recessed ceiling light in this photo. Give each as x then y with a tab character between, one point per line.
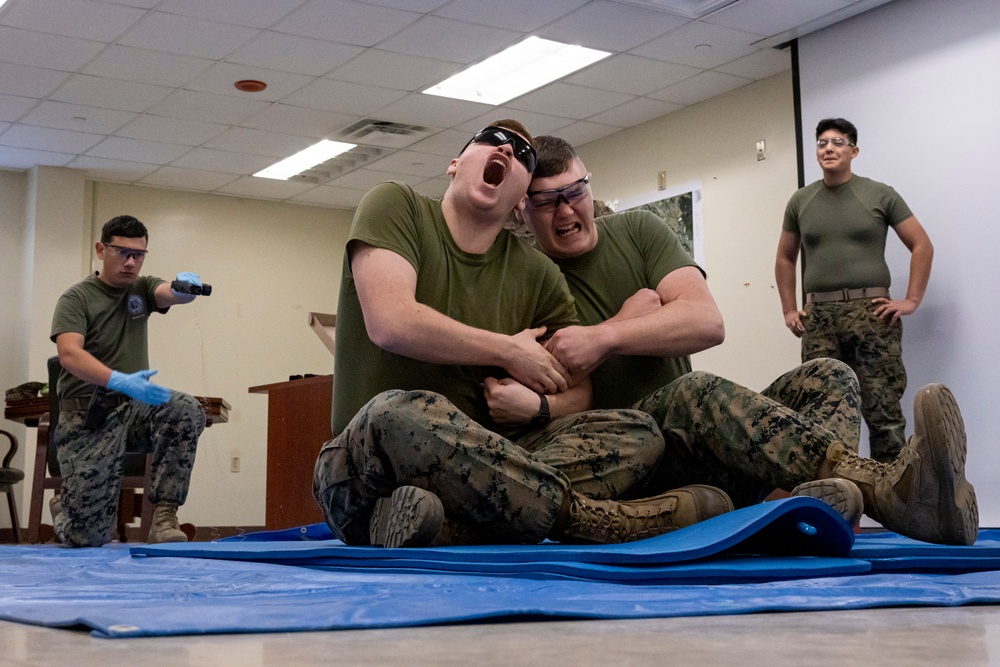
250	85
527	65
305	159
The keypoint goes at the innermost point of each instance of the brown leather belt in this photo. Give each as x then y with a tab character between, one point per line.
847	294
82	403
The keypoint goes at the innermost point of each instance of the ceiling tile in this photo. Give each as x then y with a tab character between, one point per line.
394	70
520	15
536	123
201	106
111	170
422	6
326	195
142	4
258	142
266	188
411	163
109	93
291	53
769	17
171	130
568	100
346	22
583	132
73	18
298	120
77	117
23	158
699	87
443	144
137	150
13	107
3	127
700	44
144	66
759	64
225	161
187	36
610	26
35	49
630	74
366	179
188	179
434	187
635	112
343	97
29	81
434	37
220	77
431	110
49	139
252	13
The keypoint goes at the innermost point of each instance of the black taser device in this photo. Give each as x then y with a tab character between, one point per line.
190	288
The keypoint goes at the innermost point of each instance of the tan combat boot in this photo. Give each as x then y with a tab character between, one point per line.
842	495
614	521
414	517
923	494
165	527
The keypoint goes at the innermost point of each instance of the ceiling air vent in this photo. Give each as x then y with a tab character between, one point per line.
340	165
383	133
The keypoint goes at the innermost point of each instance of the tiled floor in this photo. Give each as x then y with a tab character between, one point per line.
897	637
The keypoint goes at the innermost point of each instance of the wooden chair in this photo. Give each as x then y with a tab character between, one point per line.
46	475
8	478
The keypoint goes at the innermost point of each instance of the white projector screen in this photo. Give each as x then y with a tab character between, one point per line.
921	81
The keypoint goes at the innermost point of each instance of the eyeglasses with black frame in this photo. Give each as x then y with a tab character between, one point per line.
838	142
548	200
498	136
128	253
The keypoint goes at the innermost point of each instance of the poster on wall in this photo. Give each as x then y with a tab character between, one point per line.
680	208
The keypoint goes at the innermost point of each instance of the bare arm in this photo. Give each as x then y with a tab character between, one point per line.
686	321
397	322
784	276
79	362
510	402
915	238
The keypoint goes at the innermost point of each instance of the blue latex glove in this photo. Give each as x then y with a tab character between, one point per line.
138	386
187	277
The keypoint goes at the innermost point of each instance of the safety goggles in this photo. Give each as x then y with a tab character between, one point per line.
498	136
548	200
128	253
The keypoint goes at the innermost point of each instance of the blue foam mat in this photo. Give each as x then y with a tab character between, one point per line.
116	595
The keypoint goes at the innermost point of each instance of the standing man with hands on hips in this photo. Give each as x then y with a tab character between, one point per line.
107	400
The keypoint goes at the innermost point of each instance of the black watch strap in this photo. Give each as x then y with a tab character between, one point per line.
543	416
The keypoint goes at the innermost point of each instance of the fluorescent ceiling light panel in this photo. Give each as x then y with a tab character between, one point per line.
305	159
513	72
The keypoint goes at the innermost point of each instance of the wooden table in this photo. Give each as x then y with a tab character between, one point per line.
27	411
298	423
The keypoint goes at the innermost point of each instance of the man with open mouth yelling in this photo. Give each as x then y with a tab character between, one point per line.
453	423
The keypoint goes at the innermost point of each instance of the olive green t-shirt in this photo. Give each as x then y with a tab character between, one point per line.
635	250
112	321
509	288
843	230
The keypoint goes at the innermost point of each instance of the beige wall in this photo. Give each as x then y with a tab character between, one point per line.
714	143
270	264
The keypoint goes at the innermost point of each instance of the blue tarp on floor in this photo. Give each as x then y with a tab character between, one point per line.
788	555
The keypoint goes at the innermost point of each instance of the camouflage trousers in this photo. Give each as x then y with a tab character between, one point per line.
510	487
747	443
872	347
92	462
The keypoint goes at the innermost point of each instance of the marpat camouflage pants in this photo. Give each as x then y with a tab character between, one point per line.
747	443
511	487
847	330
92	462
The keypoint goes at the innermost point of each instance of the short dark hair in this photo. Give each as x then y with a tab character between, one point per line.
841	125
125	226
511	124
554	156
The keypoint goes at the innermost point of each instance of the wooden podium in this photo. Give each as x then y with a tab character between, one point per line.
298	423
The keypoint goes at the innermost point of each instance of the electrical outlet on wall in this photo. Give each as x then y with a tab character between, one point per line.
234	464
760	150
661	180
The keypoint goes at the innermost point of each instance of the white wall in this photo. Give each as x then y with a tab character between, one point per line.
919	78
715	143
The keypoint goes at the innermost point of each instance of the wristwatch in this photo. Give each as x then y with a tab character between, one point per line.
543	416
